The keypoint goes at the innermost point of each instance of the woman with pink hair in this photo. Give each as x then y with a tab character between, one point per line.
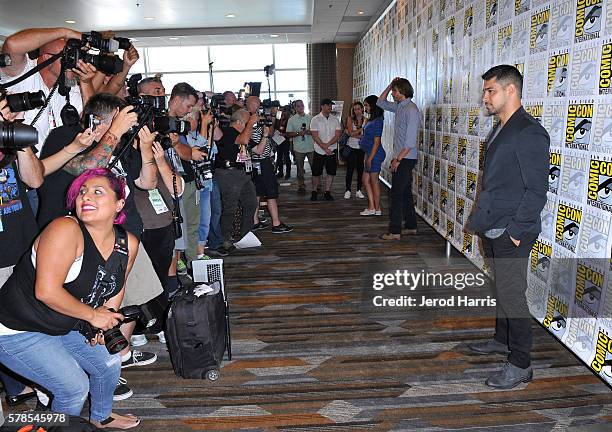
73	278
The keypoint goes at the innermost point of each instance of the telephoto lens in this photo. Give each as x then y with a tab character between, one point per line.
25	101
16	136
124	43
165	125
109	64
5	60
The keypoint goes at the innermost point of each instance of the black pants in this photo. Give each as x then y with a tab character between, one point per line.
283	158
513	321
159	244
354	162
402	204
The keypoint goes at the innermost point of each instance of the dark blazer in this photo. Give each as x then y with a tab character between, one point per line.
515	179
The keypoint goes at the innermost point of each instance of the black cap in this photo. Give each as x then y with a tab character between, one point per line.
326	101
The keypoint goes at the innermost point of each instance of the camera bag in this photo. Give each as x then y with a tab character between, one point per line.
197	332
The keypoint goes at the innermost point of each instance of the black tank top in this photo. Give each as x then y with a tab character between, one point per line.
20	310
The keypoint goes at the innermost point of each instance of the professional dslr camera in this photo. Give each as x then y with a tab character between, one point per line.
203	170
152	112
114	340
25	101
265	113
220	111
76	50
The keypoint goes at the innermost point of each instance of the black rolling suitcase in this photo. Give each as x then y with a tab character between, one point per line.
197	332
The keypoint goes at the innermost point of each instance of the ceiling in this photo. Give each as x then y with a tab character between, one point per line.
201	22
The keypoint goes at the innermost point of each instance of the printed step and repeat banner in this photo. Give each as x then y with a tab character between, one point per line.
564	50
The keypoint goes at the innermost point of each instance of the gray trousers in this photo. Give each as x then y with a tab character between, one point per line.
236	188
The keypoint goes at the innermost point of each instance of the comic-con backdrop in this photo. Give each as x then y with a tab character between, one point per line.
564	50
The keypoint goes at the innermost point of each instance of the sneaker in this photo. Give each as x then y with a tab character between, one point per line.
368	212
219	252
347	195
259	226
122	391
301	190
389	236
378	213
360	195
162	336
281	229
313	196
138	340
203	257
181	267
139	358
328	197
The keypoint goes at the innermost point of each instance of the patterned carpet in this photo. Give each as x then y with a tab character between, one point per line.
310	354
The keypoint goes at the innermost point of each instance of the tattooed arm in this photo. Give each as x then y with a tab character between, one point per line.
101	153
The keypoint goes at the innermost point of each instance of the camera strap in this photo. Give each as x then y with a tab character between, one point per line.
117	262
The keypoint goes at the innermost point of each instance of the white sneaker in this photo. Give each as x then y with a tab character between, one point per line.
138	340
368	212
162	337
347	194
378	213
360	195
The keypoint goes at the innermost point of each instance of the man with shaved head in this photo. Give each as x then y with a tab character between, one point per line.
49	42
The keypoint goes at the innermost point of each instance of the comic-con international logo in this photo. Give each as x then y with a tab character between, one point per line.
567	226
581	336
450	179
468	243
602	361
504	41
446	143
558	74
462	150
556	316
605	69
470	186
538	40
450	229
437	171
436	218
459	210
443	199
594	237
468	21
541	254
600	184
554	172
588	19
535	110
521	6
589	286
579	123
474	121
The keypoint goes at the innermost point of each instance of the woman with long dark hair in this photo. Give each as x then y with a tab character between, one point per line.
354	129
374	155
71	279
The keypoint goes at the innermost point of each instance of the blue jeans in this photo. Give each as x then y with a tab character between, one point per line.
205	213
215	240
61	365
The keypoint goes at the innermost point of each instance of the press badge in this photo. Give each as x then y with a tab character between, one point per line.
157	202
248	165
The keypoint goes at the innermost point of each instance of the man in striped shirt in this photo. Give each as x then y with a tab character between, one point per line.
262	151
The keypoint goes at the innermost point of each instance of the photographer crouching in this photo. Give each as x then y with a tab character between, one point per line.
72	278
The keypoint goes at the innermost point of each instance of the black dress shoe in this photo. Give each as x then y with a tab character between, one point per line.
509	377
489	347
20	398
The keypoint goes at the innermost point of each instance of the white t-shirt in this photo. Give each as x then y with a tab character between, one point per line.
51	118
326	127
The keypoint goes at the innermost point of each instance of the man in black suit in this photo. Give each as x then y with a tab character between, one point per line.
507	217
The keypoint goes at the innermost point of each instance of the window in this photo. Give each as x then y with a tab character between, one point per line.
177	59
233	66
241	57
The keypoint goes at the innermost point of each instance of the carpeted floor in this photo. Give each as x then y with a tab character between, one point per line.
312	354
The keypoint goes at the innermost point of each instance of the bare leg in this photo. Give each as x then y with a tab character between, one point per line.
273	209
329	179
315	182
375	186
369	192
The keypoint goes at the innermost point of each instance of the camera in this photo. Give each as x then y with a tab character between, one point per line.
16	136
203	170
95	40
113	338
151	112
5	60
25	101
92	122
73	52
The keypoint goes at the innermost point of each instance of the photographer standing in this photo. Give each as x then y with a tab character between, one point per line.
266	184
298	128
234	182
74	274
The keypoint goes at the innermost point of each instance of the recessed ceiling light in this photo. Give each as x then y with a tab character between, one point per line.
230	15
273	35
150	18
360	12
173	38
70	21
133	40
